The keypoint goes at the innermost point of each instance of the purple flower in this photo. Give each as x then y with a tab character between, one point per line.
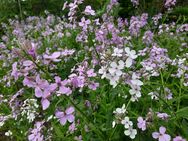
65	116
178	138
141	123
161	136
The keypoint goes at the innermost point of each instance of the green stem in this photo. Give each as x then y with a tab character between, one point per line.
20	9
179	99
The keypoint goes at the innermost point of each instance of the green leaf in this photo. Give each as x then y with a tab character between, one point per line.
183	113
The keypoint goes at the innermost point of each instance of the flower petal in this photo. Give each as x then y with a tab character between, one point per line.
70	118
45	103
162	130
38	92
155	135
63	120
128	62
69	110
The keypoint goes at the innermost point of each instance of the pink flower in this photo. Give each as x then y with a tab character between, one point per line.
65	116
178	138
161	136
141	123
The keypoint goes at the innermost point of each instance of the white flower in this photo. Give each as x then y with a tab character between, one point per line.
117	52
89	11
135	81
9	133
113	79
113	124
121	110
127	123
135	93
102	71
29	109
115	69
131	54
154	95
131	132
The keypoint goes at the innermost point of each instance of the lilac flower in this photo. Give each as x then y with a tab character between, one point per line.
32	50
90	73
63	89
72	127
178	138
42	89
135	2
84	23
53	57
89	11
148	37
156	18
163	116
93	85
170	3
65	116
15	73
161	136
141	123
36	132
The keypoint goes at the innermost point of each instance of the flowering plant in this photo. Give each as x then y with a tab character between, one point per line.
94	78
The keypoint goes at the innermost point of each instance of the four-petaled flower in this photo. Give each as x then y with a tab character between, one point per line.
141	123
117	52
127	123
161	136
178	138
131	54
84	23
68	115
89	11
131	132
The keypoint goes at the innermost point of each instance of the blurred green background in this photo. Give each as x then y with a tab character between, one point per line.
24	8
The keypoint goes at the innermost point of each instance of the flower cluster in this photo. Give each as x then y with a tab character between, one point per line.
63	77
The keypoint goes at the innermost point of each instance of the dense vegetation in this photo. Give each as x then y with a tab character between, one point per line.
93	71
